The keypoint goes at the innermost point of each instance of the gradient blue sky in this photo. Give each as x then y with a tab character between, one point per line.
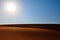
35	12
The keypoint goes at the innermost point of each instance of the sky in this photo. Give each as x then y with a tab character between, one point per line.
34	12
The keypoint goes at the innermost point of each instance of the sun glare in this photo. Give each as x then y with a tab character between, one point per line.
10	8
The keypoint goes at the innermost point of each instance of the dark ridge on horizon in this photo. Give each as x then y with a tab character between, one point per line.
45	26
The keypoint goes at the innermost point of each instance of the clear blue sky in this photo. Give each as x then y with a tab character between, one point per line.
36	12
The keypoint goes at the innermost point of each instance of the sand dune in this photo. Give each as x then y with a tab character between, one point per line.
21	33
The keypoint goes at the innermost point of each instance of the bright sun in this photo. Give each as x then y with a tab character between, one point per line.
10	8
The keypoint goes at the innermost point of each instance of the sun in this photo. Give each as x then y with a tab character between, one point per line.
10	8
